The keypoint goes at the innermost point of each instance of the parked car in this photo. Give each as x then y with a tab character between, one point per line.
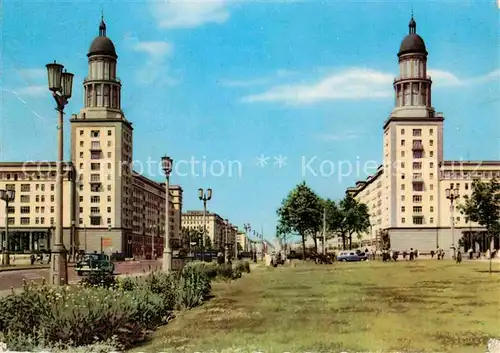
350	256
92	263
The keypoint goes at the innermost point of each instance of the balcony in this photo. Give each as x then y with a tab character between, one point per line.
95	146
417	146
418	179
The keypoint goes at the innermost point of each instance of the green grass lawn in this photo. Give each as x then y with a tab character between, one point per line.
422	306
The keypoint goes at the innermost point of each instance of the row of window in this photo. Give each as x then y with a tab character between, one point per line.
418	132
26	220
420	220
27	209
417	187
96	133
417	143
109	144
38	198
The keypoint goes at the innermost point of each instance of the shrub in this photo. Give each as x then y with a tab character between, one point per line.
225	271
193	287
126	283
246	266
99	279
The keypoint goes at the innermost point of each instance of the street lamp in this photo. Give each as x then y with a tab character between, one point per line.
226	244
452	195
61	85
204	196
7	196
166	163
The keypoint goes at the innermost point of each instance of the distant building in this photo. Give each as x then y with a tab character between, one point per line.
219	234
407	195
106	204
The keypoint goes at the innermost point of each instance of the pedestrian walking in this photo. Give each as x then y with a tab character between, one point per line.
32	259
459	257
470	253
432	254
411	254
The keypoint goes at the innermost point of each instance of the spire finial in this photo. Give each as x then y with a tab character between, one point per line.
102	25
412	25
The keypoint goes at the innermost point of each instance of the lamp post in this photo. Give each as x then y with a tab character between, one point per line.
167	250
61	84
226	244
204	196
452	195
7	196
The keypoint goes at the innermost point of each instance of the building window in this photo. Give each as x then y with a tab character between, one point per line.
418	220
402	142
402	186
431	187
402	208
24	209
417	209
417	132
431	153
109	209
80	221
81	132
25	187
25	220
106	95
51	198
109	198
417	198
431	220
402	164
109	165
95	166
402	153
431	164
109	220
466	186
431	132
25	198
109	187
418	187
95	221
402	131
94	133
109	132
109	154
402	197
458	219
81	187
51	209
95	199
109	143
417	165
402	176
431	175
52	187
81	198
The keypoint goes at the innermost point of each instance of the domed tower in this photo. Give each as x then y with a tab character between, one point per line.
413	148
102	87
101	150
413	86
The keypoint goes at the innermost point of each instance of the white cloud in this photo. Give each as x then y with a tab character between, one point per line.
157	50
189	13
33	91
355	83
350	84
444	78
32	74
154	69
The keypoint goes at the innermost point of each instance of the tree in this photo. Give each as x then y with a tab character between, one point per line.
301	213
483	207
348	218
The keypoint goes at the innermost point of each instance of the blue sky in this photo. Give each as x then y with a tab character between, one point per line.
233	81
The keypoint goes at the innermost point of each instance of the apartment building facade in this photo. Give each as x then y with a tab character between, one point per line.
106	204
407	195
217	231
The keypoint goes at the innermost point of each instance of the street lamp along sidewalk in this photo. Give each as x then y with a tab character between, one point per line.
61	85
7	196
166	163
204	197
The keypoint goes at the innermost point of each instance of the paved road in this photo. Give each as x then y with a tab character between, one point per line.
14	279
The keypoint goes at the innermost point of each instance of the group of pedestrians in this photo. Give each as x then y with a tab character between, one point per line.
388	255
